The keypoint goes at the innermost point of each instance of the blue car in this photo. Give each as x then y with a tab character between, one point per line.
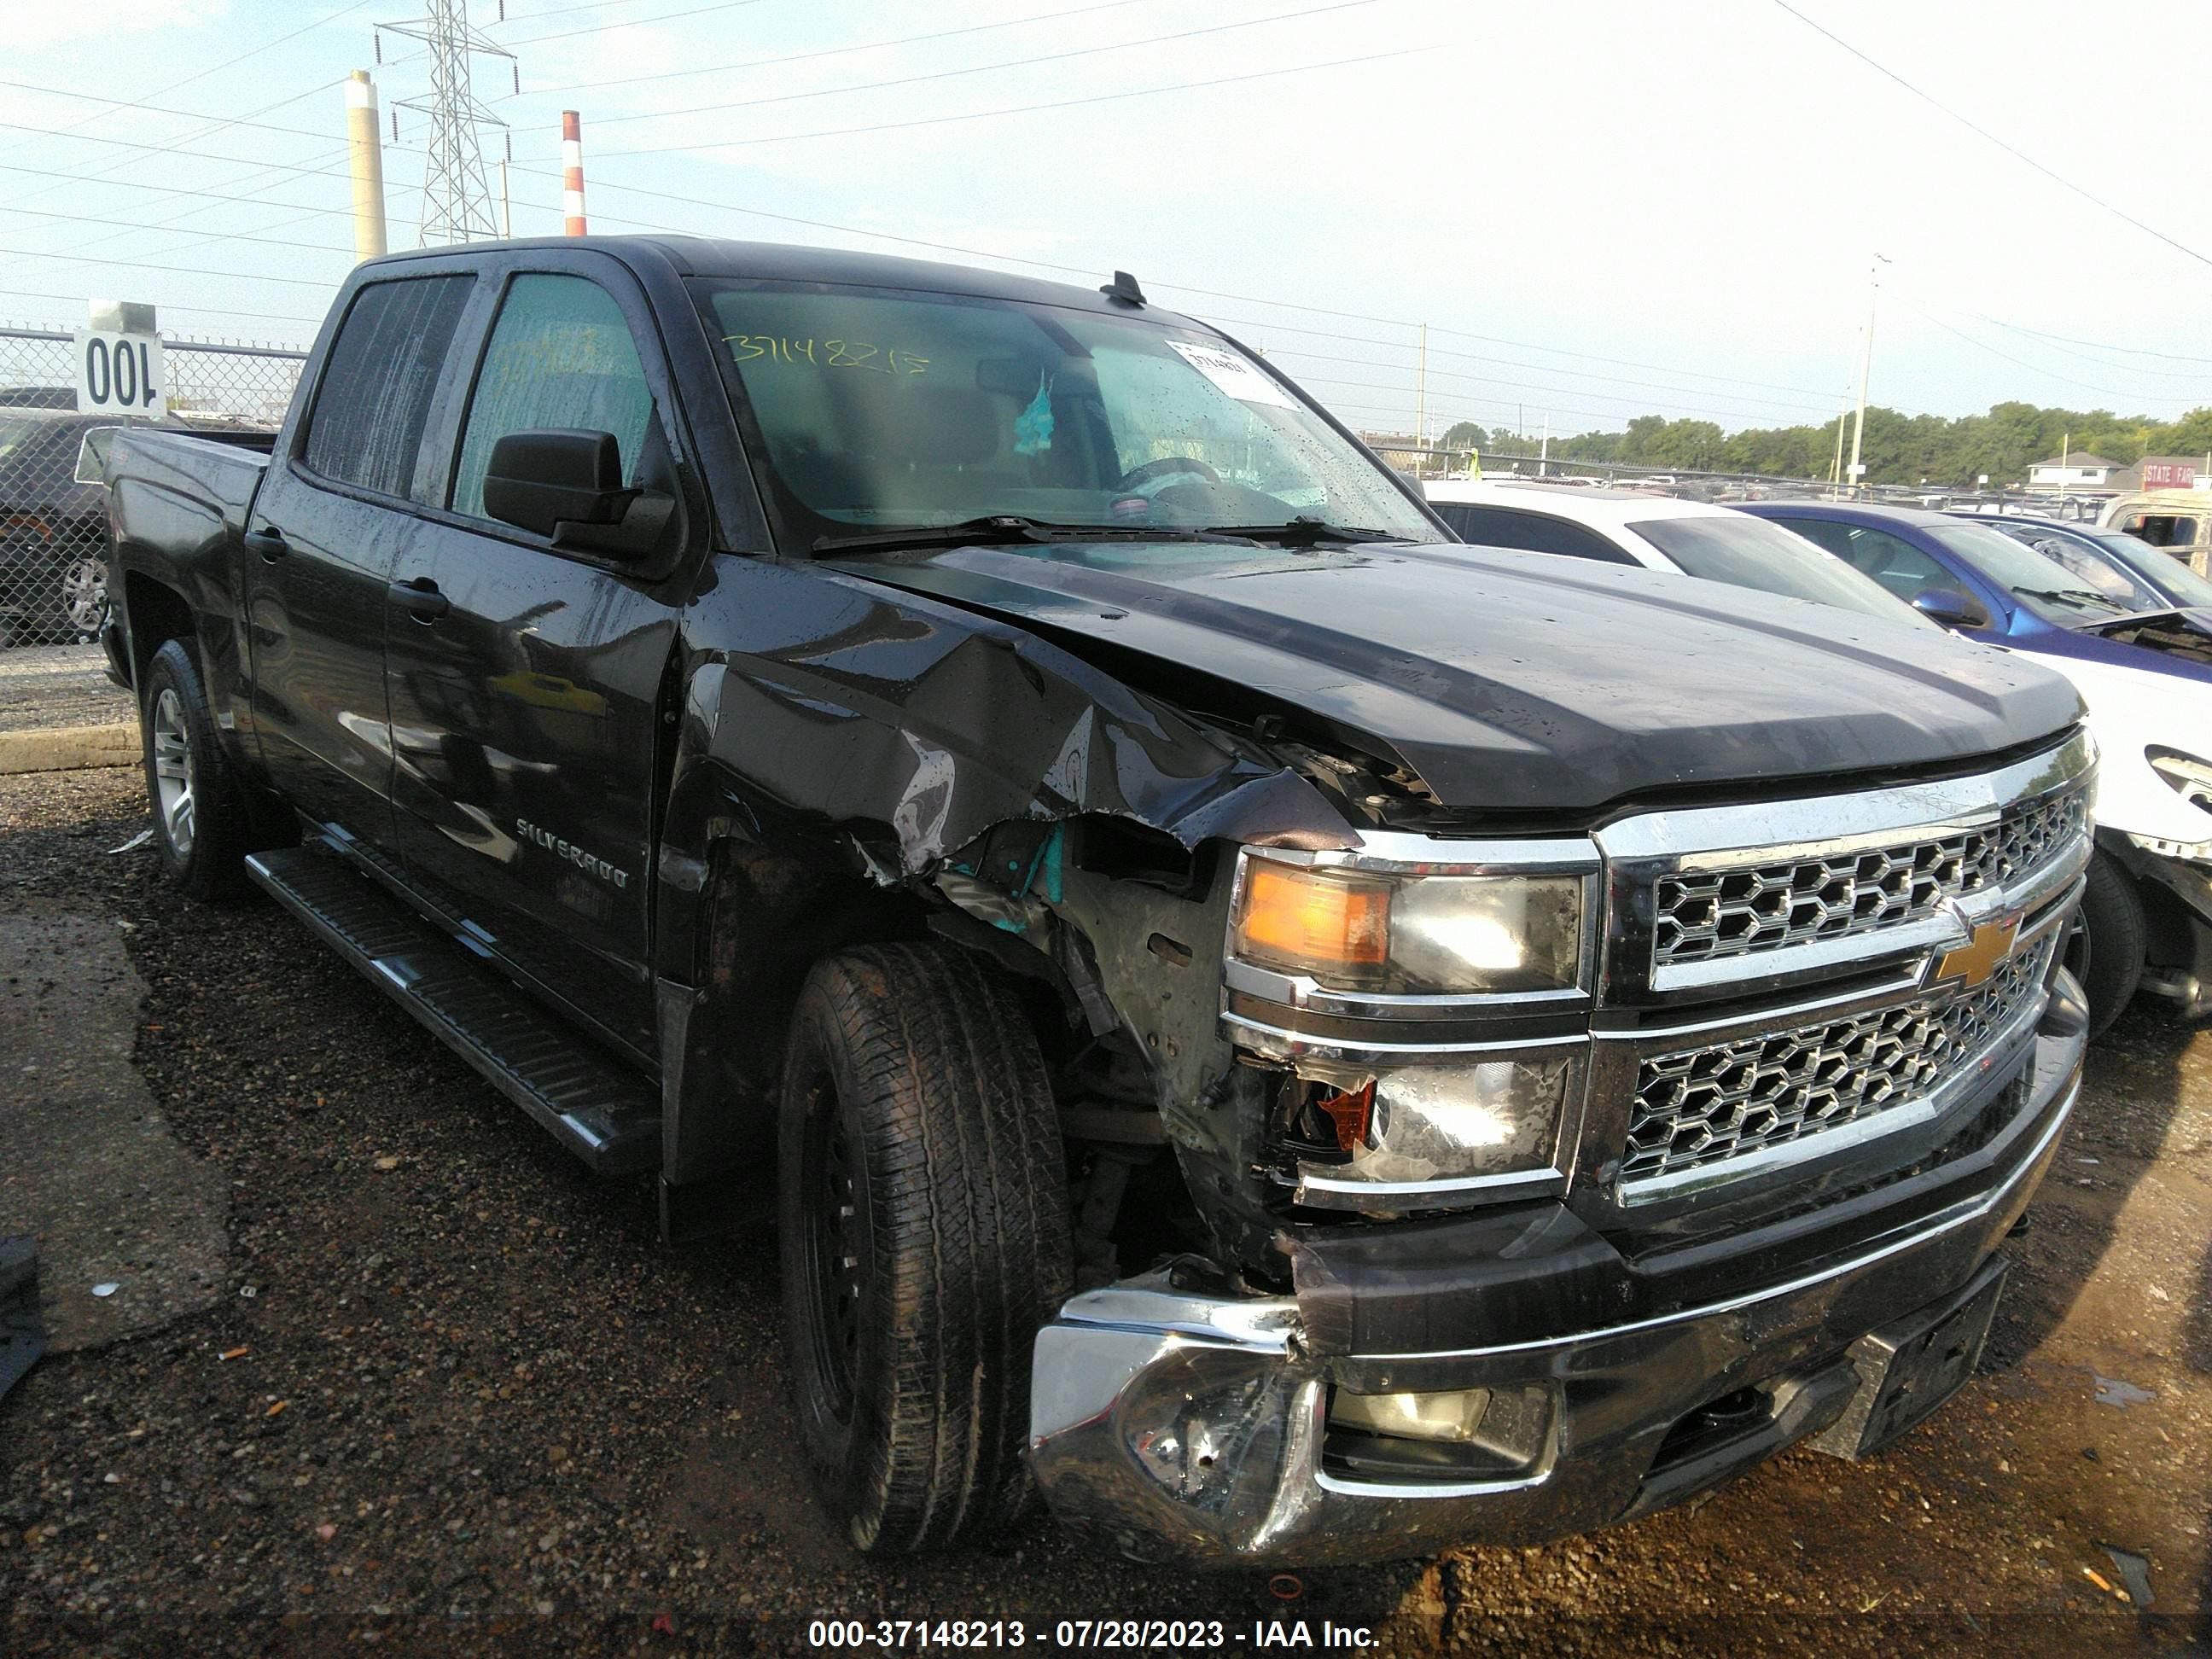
1982	583
2141	653
2125	568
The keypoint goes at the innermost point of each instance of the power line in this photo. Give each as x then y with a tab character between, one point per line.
562	11
1547	392
201	75
832	51
1061	268
633	22
2037	368
1020	109
1980	131
169	190
1636	405
2100	345
197	310
196	155
979	69
217	122
212	236
1524	345
1545	368
182	271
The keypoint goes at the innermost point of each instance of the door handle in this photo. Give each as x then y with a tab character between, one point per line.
420	598
269	543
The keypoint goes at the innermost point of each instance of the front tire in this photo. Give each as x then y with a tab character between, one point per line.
200	817
924	1240
2106	950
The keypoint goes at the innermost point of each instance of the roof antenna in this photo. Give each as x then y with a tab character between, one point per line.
1123	289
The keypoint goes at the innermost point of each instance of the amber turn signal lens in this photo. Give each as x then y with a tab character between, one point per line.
1302	921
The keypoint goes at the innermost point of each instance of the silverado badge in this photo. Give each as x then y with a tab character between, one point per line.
1988	944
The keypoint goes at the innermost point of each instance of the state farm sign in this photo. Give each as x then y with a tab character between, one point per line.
2169	475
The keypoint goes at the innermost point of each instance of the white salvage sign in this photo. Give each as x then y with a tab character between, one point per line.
119	374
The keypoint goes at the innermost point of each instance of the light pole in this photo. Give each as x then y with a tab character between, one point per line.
1866	372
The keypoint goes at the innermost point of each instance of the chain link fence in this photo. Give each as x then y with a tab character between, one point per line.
53	527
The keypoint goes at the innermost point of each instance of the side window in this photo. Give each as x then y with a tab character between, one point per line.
1500	527
561	355
366	427
1898	565
1836	538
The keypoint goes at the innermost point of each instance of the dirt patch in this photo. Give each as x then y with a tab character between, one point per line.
480	1408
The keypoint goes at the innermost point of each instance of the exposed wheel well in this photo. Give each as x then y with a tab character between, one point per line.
156	613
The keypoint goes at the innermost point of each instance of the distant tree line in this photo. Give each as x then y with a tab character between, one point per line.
1903	449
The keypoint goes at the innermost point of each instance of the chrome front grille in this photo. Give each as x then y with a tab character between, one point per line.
1701	916
1697	1107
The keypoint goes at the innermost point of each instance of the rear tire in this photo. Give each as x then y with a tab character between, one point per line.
924	1240
200	819
2105	951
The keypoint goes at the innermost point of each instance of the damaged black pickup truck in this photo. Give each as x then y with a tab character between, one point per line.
1298	1040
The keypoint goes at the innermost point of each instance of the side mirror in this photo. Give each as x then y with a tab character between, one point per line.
567	485
1950	608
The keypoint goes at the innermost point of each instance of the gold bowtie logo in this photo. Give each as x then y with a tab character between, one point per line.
1985	951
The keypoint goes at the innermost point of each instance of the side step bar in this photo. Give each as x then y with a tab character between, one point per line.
607	1115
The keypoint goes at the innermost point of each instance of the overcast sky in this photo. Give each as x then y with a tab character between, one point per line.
1600	207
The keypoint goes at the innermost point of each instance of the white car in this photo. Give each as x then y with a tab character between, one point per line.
2151	787
1660	533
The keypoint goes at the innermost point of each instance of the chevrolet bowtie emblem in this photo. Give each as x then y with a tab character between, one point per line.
1986	949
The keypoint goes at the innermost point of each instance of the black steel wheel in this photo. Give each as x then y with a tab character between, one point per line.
839	1251
924	1240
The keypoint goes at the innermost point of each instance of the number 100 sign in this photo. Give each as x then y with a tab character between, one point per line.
119	373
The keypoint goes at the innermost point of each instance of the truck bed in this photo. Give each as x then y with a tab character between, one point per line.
173	491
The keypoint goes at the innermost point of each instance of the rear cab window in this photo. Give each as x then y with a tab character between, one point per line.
365	427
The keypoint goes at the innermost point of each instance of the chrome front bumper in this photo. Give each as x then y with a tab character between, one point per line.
1172	1425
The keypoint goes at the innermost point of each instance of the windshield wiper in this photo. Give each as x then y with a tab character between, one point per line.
1000	529
2071	596
1306	530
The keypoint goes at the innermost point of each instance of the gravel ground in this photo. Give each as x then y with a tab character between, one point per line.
456	1397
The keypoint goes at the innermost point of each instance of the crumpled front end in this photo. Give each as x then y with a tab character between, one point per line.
1172	1424
1810	1068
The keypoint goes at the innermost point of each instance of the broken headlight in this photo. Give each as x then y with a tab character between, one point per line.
1492	1123
1361	931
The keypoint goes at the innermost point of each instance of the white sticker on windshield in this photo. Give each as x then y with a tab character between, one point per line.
1235	376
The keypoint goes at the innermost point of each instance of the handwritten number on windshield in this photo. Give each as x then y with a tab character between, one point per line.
825	354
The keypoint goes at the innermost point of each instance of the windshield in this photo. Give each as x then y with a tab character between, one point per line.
882	410
2048	589
1748	552
2091	563
2181	585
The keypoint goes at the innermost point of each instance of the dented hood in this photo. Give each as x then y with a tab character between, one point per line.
1521	682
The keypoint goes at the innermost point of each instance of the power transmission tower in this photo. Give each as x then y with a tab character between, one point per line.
457	198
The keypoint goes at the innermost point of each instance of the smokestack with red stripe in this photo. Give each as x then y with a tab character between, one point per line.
572	172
